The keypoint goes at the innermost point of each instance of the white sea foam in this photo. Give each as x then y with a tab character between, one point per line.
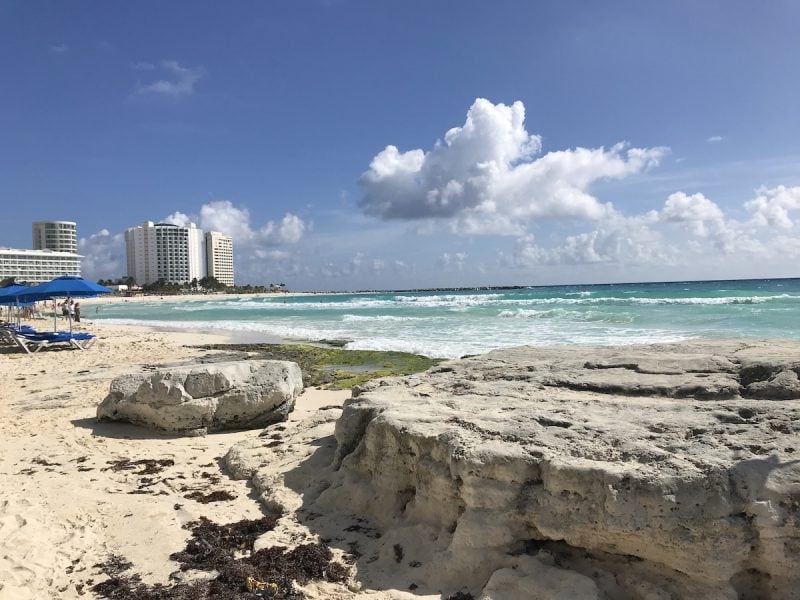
266	306
662	301
382	318
567	315
269	328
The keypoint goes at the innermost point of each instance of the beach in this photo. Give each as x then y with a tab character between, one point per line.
487	477
67	502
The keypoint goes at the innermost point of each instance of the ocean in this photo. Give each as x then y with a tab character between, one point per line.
453	323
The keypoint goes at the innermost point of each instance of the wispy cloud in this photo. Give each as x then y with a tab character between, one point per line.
178	80
142	66
58	48
714	139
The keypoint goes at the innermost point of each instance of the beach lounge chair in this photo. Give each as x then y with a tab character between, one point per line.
81	341
34	339
12	338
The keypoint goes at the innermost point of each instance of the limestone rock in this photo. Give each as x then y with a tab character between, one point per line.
667	471
208	397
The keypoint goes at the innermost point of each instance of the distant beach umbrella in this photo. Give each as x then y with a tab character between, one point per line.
10	296
66	286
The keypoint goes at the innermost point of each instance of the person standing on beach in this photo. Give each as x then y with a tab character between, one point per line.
65	309
77	310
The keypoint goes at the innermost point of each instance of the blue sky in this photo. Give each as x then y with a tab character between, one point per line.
595	142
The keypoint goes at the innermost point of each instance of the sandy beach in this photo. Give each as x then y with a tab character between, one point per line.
64	507
420	488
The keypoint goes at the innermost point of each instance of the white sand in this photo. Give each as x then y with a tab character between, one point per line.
61	510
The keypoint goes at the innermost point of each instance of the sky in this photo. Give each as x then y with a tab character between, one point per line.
351	145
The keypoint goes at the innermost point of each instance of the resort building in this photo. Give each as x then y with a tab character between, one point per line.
163	251
59	236
219	257
37	266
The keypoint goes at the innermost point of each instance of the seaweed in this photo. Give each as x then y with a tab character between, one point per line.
336	368
149	466
215	547
217	496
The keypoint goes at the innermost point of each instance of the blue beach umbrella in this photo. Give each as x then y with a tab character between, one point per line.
66	286
11	292
9	296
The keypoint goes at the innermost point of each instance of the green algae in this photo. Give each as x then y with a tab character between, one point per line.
336	368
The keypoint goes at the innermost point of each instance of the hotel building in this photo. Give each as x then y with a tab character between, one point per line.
37	266
59	236
219	257
55	253
163	251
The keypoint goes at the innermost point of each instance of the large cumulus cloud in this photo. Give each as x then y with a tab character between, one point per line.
486	171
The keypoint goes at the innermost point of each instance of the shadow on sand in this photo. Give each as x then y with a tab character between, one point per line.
121	431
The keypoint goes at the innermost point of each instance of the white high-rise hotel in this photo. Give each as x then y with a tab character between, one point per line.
219	257
54	253
176	254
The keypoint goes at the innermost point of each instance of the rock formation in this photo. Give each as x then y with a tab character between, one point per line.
198	398
653	472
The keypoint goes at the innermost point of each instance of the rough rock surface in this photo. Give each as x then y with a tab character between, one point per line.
654	472
685	458
198	398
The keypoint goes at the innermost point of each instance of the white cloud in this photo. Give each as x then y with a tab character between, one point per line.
714	139
485	172
271	254
289	230
617	240
58	48
694	210
223	216
235	221
681	207
103	255
178	218
772	206
453	260
733	238
178	80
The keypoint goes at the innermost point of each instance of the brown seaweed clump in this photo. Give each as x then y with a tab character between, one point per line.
216	496
228	550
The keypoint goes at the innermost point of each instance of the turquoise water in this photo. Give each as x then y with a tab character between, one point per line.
454	323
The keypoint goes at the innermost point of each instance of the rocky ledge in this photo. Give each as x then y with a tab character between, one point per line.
657	472
651	472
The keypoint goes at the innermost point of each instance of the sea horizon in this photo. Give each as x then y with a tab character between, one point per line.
525	286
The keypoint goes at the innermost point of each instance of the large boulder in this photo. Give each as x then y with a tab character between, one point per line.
655	472
193	399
